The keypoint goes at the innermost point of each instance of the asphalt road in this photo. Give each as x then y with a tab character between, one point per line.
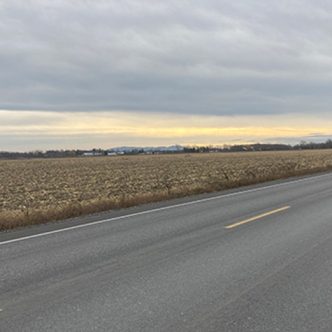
252	259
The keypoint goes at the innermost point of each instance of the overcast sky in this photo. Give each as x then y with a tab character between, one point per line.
163	72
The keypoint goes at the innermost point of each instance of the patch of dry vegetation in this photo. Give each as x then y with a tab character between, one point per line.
36	191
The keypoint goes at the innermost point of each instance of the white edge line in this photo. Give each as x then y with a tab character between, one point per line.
161	209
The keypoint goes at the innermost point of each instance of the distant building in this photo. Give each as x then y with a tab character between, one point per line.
112	153
92	154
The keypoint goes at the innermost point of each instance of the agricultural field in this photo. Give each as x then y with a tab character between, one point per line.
40	190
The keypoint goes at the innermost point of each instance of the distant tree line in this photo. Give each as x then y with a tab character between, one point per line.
41	154
194	149
260	147
239	148
312	146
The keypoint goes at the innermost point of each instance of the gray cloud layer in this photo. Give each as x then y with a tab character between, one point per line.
203	57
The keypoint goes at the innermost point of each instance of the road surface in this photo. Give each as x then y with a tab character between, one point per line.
252	259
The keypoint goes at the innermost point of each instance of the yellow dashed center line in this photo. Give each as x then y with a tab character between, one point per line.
260	216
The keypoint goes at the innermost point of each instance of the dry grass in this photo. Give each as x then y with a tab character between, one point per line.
35	191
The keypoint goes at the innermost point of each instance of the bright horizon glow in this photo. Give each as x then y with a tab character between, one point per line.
38	130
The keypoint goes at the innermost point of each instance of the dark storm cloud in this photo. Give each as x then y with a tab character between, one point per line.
211	57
